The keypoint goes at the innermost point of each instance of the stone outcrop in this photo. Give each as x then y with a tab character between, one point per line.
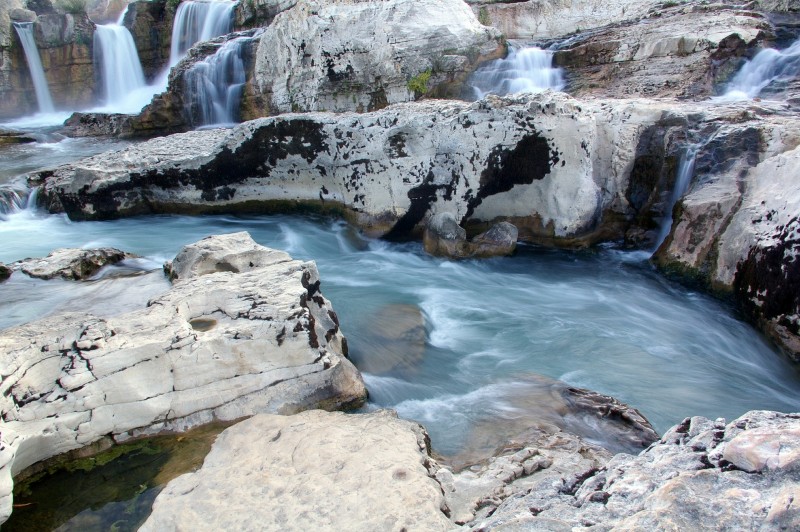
12	60
687	51
443	237
259	13
244	329
321	56
5	272
702	475
150	24
736	230
552	19
71	264
312	471
390	170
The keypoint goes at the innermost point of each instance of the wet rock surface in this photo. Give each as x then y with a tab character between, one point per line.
395	344
71	264
443	237
222	344
311	471
5	272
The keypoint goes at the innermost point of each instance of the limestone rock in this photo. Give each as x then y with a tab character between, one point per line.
444	237
551	19
259	12
686	52
14	137
150	24
311	471
390	169
5	272
682	481
98	125
362	56
72	264
500	239
219	345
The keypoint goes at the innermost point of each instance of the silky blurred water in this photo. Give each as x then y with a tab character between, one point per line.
602	320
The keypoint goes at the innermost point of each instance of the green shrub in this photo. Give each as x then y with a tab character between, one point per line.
74	7
173	4
483	16
419	83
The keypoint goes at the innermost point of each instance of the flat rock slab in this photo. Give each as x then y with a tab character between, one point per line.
71	263
311	471
223	343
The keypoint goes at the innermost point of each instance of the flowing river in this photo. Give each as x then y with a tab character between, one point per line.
459	346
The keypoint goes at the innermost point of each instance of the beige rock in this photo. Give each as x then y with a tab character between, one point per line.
72	264
311	471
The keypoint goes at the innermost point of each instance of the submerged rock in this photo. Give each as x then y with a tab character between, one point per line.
395	342
311	471
443	237
218	345
72	264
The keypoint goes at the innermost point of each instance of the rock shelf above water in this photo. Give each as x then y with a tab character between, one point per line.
244	329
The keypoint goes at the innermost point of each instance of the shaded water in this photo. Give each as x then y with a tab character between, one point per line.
108	492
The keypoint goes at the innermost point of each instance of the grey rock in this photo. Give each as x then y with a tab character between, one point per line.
311	471
22	15
72	264
500	239
5	272
218	345
444	237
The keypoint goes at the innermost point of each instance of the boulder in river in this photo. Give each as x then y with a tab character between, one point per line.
71	263
443	237
5	272
220	344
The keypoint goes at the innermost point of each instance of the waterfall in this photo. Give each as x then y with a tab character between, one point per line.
769	66
25	32
117	62
682	180
213	86
199	21
524	70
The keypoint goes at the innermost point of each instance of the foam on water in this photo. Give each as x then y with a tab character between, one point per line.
768	67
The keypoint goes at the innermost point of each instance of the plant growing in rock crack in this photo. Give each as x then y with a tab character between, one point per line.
483	16
419	83
173	4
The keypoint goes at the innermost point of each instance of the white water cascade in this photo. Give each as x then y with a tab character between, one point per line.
523	70
768	67
213	86
197	21
25	32
682	181
117	61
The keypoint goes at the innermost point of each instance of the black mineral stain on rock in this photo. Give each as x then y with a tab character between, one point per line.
723	151
767	283
256	156
530	160
422	197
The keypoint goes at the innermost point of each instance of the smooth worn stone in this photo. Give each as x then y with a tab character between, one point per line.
71	263
220	345
311	471
444	237
500	239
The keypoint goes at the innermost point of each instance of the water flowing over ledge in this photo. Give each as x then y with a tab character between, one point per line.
45	101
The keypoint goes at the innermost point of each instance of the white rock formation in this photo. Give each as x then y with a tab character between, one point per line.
244	329
311	471
360	56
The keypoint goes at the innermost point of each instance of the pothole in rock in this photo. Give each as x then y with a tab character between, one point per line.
203	324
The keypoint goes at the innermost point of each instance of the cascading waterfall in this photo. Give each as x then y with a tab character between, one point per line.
25	32
682	180
117	61
523	70
768	67
213	86
199	21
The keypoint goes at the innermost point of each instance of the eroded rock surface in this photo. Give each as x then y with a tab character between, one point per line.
311	471
362	56
220	344
702	475
72	264
445	238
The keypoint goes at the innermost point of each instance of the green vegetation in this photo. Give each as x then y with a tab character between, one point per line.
483	16
419	83
172	5
74	7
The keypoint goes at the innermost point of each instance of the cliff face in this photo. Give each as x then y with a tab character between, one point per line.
13	97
